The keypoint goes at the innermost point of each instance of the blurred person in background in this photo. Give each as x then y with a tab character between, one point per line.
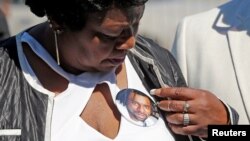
212	49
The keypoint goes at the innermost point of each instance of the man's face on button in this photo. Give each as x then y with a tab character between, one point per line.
139	107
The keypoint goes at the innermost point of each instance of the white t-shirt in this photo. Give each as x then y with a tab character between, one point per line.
67	125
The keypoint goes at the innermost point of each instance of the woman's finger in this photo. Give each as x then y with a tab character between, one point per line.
180	93
175	106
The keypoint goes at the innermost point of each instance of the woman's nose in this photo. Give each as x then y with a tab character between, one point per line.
128	44
127	41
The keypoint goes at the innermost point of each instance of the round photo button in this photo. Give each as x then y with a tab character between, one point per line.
137	107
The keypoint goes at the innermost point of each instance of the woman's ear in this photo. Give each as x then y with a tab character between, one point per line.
54	26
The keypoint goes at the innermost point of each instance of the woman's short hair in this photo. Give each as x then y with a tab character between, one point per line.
73	14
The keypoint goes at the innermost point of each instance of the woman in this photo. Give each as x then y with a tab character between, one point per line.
59	79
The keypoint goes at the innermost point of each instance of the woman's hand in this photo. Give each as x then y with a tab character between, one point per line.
189	111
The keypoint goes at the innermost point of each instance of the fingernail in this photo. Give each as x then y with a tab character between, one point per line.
152	91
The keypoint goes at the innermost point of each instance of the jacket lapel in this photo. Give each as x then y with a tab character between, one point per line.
239	46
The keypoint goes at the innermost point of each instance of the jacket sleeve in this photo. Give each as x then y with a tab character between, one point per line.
165	61
232	114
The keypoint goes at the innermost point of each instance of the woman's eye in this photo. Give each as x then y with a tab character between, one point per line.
105	37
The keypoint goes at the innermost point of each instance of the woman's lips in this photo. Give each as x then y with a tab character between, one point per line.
117	61
118	58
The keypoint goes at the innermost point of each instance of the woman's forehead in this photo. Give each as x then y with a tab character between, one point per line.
130	15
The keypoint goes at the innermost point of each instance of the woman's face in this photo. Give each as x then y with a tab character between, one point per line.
100	46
